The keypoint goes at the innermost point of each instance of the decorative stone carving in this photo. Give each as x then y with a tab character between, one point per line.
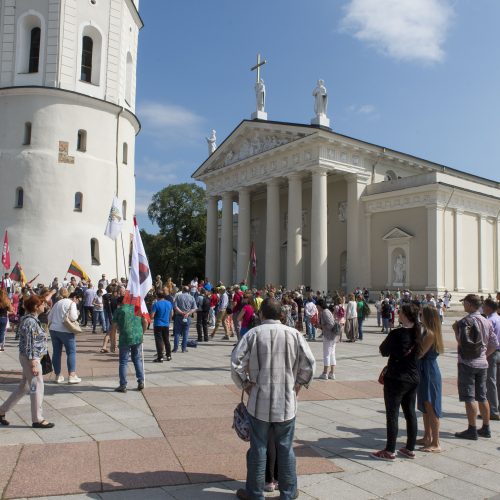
342	211
399	270
211	142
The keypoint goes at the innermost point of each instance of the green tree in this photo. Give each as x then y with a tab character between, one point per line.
179	247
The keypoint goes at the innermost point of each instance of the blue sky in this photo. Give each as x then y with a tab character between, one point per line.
418	76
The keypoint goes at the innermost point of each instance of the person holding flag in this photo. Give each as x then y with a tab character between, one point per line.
132	317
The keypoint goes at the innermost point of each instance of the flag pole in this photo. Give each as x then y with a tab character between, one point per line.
124	260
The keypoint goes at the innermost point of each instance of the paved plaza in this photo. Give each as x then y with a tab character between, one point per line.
175	441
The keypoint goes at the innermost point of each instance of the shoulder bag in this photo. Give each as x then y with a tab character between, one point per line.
72	326
241	421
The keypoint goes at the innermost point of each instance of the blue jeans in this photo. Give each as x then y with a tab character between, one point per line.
360	328
310	329
257	455
66	339
243	330
102	320
136	356
181	328
386	322
3	329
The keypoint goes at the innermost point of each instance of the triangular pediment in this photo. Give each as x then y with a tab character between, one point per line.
252	138
397	234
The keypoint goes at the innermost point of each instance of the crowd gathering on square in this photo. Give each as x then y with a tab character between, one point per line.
271	360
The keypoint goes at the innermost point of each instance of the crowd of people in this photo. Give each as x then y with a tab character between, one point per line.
271	327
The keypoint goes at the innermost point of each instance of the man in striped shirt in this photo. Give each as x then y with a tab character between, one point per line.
272	362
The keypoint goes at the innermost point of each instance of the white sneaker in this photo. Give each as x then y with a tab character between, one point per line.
74	379
331	376
59	379
323	376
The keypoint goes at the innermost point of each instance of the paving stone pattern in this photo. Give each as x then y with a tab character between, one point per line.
175	441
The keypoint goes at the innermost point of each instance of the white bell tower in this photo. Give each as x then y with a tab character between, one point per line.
67	131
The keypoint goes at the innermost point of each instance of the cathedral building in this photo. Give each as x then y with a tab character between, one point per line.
67	131
334	212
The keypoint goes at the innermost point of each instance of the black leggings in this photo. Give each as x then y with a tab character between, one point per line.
404	394
162	340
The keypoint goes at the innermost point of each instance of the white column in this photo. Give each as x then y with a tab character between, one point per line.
435	257
458	242
356	275
211	239
368	253
226	250
497	255
319	228
294	233
273	233
243	257
482	253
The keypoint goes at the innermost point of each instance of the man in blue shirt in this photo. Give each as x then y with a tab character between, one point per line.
162	314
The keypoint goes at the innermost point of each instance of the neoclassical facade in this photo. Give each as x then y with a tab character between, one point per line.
67	131
330	211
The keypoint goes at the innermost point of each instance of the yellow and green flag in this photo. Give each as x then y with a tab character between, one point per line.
77	270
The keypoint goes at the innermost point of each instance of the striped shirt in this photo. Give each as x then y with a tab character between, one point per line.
272	357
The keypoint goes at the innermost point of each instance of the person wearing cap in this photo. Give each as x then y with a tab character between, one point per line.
222	313
472	373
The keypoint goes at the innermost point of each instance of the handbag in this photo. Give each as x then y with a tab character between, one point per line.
382	375
241	420
385	368
72	326
46	364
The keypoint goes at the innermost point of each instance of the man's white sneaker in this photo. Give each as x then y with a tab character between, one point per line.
323	376
59	379
74	380
331	376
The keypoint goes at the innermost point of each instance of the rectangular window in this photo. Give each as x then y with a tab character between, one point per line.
27	134
81	142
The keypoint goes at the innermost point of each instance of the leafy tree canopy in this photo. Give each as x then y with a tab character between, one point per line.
178	250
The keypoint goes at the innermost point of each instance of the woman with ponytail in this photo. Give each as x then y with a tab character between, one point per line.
402	345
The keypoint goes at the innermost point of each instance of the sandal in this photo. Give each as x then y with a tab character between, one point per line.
384	455
43	425
103	350
3	421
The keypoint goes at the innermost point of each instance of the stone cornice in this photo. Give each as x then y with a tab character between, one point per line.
430	196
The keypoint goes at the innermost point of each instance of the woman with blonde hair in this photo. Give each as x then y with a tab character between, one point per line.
429	388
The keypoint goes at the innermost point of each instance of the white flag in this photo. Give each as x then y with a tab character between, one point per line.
115	220
140	280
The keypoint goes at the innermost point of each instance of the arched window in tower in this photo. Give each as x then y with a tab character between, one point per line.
91	57
128	83
27	134
34	50
81	141
78	201
125	153
87	50
29	48
19	197
94	252
124	210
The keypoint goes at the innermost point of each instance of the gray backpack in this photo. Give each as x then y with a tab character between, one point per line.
470	339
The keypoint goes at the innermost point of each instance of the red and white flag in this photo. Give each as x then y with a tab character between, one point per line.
140	280
5	251
253	260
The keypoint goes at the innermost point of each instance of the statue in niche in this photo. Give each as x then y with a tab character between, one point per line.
342	211
260	94
320	99
212	142
399	269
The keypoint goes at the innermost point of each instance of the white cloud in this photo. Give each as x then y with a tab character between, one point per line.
142	201
161	174
169	122
402	29
363	109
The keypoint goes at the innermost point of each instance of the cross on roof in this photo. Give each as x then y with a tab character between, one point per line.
257	67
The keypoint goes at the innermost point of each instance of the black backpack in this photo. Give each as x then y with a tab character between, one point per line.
205	306
470	339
